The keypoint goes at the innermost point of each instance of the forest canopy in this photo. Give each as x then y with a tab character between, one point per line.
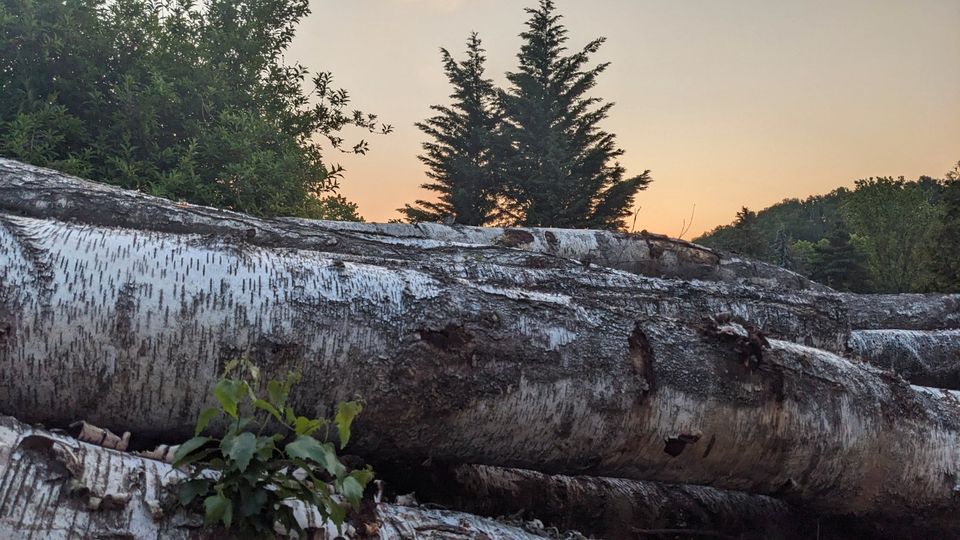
885	235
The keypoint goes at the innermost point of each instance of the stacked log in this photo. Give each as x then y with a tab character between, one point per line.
616	359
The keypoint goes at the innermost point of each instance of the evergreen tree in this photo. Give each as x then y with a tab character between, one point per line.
747	239
459	157
944	246
838	264
782	254
182	99
563	169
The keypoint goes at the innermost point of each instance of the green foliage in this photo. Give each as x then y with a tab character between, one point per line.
943	249
180	99
246	479
781	251
889	223
747	239
533	155
894	217
561	168
460	157
838	263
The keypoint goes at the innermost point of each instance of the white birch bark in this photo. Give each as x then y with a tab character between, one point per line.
464	353
53	487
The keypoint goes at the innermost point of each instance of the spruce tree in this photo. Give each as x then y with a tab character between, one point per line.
747	238
944	248
459	157
838	264
782	254
562	168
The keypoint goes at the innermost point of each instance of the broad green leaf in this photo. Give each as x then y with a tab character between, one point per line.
266	447
226	391
352	490
290	415
346	412
306	447
240	449
254	372
270	409
187	448
218	508
334	467
205	417
192	489
276	393
364	476
322	454
306	426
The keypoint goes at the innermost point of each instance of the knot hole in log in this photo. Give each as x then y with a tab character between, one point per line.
641	355
452	338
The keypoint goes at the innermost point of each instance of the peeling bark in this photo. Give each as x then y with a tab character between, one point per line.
55	487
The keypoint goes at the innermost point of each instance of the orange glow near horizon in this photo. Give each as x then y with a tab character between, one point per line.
730	104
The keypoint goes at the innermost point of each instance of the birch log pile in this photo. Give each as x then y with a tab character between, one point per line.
121	309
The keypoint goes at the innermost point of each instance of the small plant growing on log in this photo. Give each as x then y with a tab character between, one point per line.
250	482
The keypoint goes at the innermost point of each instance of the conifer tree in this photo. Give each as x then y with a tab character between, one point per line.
782	254
459	157
838	264
747	239
944	248
562	168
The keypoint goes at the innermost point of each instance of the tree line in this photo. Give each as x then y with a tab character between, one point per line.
532	154
885	235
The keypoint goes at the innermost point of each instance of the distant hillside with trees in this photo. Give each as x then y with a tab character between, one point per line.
885	235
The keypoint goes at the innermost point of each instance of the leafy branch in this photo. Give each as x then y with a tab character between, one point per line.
268	458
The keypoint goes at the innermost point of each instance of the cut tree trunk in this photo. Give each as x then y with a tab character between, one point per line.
560	369
607	507
55	487
37	192
464	353
617	508
782	303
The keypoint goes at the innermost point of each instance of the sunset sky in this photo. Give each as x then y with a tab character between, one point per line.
729	103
